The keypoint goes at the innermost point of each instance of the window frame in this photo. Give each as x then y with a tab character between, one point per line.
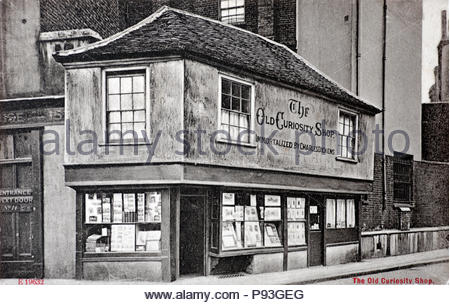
354	158
233	7
252	136
346	200
131	70
405	160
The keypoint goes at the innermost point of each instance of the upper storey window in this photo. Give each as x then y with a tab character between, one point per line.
232	11
126	111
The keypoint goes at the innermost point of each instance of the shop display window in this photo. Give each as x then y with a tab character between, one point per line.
340	213
251	221
296	221
122	222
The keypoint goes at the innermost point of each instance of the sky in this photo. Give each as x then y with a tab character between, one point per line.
431	35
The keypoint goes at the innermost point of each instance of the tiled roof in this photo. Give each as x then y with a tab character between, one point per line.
175	32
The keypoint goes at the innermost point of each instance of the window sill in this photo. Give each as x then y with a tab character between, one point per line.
403	204
223	141
138	143
346	160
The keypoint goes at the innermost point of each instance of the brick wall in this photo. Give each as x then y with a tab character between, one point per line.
435	132
281	29
431	194
373	215
101	16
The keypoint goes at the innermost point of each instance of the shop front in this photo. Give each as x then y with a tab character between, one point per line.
189	162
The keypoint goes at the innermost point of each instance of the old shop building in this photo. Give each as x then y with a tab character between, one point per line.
193	209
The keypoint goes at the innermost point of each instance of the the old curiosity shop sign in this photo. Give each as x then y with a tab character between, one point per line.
16	200
281	122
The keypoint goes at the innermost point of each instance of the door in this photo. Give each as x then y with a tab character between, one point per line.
20	205
315	233
192	235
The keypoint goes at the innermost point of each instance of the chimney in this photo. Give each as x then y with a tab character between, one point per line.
443	60
444	25
266	18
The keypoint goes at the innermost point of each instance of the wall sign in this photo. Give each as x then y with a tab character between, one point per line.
16	200
29	116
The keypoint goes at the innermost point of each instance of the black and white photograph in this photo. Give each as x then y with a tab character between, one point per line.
219	151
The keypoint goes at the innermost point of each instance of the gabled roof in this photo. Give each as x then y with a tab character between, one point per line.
173	32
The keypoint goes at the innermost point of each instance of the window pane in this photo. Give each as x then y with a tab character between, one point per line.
245	106
226	86
243	121
331	213
125	85
127	131
139	128
127	116
114	102
236	90
126	102
226	102
114	132
243	135
234	131
22	147
139	101
138	84
6	146
225	117
24	176
236	105
234	119
246	92
113	85
350	213
240	2
7	176
340	213
114	117
139	116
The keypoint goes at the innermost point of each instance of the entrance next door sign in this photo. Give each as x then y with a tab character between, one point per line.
16	200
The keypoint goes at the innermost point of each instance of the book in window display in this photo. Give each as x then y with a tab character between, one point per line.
141	207
271	236
252	234
153	207
272	214
106	209
251	213
117	207
149	241
229	237
123	238
228	198
93	208
228	213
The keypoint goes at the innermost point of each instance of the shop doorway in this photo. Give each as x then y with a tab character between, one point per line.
315	234
192	235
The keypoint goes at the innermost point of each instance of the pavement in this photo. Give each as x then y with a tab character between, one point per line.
293	277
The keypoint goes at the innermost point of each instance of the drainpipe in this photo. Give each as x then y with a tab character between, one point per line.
383	101
357	49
